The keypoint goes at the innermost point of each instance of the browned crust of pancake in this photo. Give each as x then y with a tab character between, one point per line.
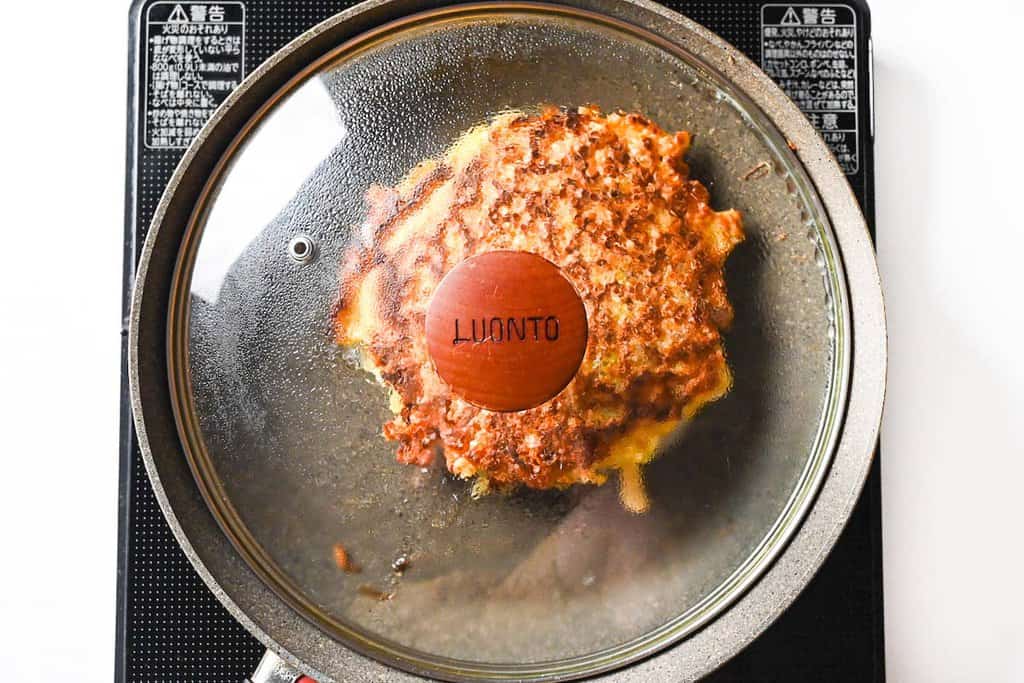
609	200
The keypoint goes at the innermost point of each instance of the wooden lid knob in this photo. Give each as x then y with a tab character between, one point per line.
506	330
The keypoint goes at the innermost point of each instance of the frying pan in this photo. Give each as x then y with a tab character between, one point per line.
262	441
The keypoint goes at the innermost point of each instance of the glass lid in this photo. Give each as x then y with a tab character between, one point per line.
511	343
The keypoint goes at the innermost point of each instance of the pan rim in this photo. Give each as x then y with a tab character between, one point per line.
808	148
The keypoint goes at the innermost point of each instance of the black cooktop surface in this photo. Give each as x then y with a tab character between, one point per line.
171	628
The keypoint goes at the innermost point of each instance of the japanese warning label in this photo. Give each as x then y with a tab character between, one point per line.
811	52
195	54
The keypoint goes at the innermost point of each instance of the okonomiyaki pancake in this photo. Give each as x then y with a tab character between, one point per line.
609	201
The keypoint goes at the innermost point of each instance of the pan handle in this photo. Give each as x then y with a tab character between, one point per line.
272	669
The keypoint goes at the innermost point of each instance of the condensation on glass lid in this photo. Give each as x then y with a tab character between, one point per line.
292	428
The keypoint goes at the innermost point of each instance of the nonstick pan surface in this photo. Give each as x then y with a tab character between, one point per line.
276	446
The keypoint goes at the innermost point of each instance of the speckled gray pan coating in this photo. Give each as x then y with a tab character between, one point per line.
291	432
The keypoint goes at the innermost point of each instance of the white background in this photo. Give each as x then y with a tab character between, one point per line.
950	173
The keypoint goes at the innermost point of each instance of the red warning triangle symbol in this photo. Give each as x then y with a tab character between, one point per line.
790	18
178	15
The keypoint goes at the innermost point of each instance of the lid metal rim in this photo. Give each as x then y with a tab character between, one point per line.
864	403
227	517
